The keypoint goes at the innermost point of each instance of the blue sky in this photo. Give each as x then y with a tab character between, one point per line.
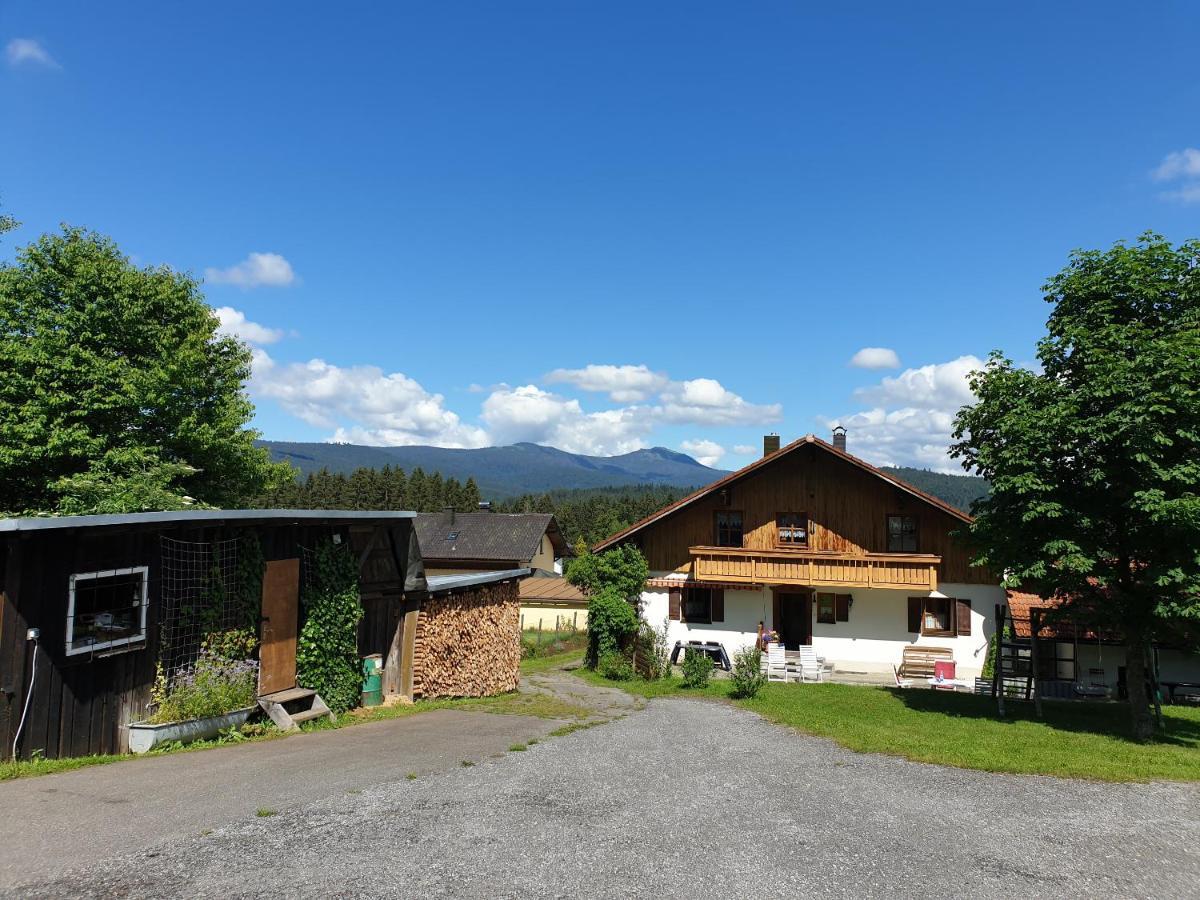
608	225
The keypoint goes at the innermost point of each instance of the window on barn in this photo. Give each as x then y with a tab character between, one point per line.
106	610
901	534
729	528
791	529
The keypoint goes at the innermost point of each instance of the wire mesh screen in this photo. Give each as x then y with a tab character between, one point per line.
200	597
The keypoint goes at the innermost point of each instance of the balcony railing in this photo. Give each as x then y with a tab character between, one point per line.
815	568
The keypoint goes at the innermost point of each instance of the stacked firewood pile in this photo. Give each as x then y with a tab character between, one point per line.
468	644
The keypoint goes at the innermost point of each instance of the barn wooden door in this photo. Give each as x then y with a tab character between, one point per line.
280	612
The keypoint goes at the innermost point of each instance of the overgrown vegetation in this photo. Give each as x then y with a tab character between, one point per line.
747	676
697	670
615	666
220	681
327	654
613	581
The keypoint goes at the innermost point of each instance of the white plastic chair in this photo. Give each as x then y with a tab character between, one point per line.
901	682
812	669
776	663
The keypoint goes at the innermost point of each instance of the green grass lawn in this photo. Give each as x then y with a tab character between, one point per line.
1076	740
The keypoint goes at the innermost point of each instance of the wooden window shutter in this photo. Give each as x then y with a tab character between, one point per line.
718	605
842	606
962	616
914	614
674	604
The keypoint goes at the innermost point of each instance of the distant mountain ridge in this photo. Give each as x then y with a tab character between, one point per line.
508	471
504	472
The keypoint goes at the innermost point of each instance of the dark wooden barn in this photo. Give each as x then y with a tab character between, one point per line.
93	604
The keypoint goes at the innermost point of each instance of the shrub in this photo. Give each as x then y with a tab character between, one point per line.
697	669
615	666
612	620
327	655
211	686
652	653
748	676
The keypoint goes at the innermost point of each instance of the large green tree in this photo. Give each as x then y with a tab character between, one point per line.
116	391
1094	461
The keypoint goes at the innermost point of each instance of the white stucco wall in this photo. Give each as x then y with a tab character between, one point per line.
743	611
871	642
874	638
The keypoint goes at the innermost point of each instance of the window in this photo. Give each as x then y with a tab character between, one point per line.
833	608
791	529
453	536
697	605
826	612
106	609
729	529
939	616
901	534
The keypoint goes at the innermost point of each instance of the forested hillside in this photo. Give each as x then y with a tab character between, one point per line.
957	490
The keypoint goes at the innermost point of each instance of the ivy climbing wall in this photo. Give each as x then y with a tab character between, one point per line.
468	644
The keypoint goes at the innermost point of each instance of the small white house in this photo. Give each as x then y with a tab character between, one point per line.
824	549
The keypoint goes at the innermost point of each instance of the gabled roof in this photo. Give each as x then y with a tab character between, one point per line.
487	535
809	440
553	588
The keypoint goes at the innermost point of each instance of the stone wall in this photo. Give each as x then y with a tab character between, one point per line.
468	644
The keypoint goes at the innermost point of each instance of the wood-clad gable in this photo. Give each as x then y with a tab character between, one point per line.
845	503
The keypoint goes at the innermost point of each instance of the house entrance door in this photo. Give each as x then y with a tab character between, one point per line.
280	622
795	619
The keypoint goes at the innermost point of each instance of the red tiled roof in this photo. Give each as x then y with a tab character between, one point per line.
807	440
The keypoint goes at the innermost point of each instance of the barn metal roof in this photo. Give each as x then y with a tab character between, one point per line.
201	516
439	584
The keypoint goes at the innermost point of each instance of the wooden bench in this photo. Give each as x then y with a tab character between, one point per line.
918	661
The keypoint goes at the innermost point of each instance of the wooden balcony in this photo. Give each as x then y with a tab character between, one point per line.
815	568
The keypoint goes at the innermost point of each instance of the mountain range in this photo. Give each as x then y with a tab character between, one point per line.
502	472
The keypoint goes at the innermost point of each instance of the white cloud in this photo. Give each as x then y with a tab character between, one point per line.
28	52
1182	167
875	358
745	449
363	404
235	323
910	416
1180	164
256	270
939	386
623	384
705	452
705	401
528	413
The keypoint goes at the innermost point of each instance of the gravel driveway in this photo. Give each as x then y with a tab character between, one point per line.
694	799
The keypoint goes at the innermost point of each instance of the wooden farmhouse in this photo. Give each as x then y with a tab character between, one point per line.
94	606
826	550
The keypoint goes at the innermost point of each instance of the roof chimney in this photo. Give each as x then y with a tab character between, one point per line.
770	444
839	438
485	505
449	511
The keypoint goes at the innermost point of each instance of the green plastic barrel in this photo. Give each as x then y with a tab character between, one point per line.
372	686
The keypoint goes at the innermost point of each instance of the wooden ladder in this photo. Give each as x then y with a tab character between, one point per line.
289	708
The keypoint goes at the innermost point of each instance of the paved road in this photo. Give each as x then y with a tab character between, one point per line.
55	822
691	799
